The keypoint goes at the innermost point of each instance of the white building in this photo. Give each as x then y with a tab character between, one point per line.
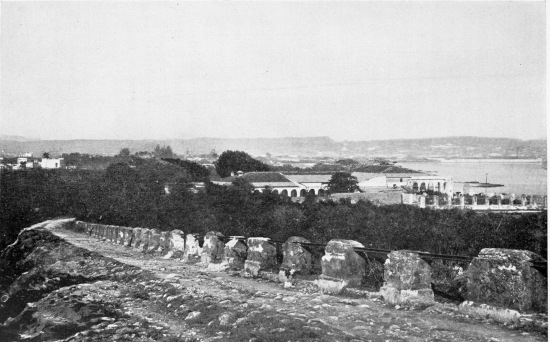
424	183
26	161
52	163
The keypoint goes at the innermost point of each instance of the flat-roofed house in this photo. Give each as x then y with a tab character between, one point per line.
52	163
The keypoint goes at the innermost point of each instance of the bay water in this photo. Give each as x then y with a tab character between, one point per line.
519	178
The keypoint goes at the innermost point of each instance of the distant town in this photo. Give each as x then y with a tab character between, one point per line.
379	179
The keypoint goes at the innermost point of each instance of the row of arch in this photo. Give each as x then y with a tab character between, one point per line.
294	192
429	186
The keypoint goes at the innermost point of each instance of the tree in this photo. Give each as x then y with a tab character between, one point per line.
125	152
342	182
46	155
349	163
196	172
163	152
233	161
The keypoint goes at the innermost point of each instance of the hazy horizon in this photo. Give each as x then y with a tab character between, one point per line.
352	71
14	136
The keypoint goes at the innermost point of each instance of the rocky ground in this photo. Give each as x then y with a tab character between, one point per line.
57	284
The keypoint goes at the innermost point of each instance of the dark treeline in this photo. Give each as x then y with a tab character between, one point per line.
135	196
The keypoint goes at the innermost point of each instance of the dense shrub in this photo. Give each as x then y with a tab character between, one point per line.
135	196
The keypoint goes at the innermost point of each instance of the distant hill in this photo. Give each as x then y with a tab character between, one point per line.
400	149
13	138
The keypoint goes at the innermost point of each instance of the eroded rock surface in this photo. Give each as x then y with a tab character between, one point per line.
505	277
407	279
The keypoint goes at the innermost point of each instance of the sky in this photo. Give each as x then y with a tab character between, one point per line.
347	70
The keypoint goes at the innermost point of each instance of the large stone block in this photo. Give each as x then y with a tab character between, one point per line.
123	234
145	238
504	277
212	248
80	226
342	263
164	243
176	244
129	237
111	233
296	259
154	241
407	279
138	238
193	250
94	229
89	227
261	256
235	253
101	231
116	234
98	230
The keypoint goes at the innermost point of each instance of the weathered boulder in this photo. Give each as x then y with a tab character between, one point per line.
505	277
116	234
138	239
235	253
94	230
105	232
88	228
80	226
164	243
261	256
407	279
145	237
98	231
192	253
342	263
212	248
123	235
113	234
176	244
129	237
108	232
296	259
154	241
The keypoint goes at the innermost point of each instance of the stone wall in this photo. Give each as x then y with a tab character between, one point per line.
497	277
